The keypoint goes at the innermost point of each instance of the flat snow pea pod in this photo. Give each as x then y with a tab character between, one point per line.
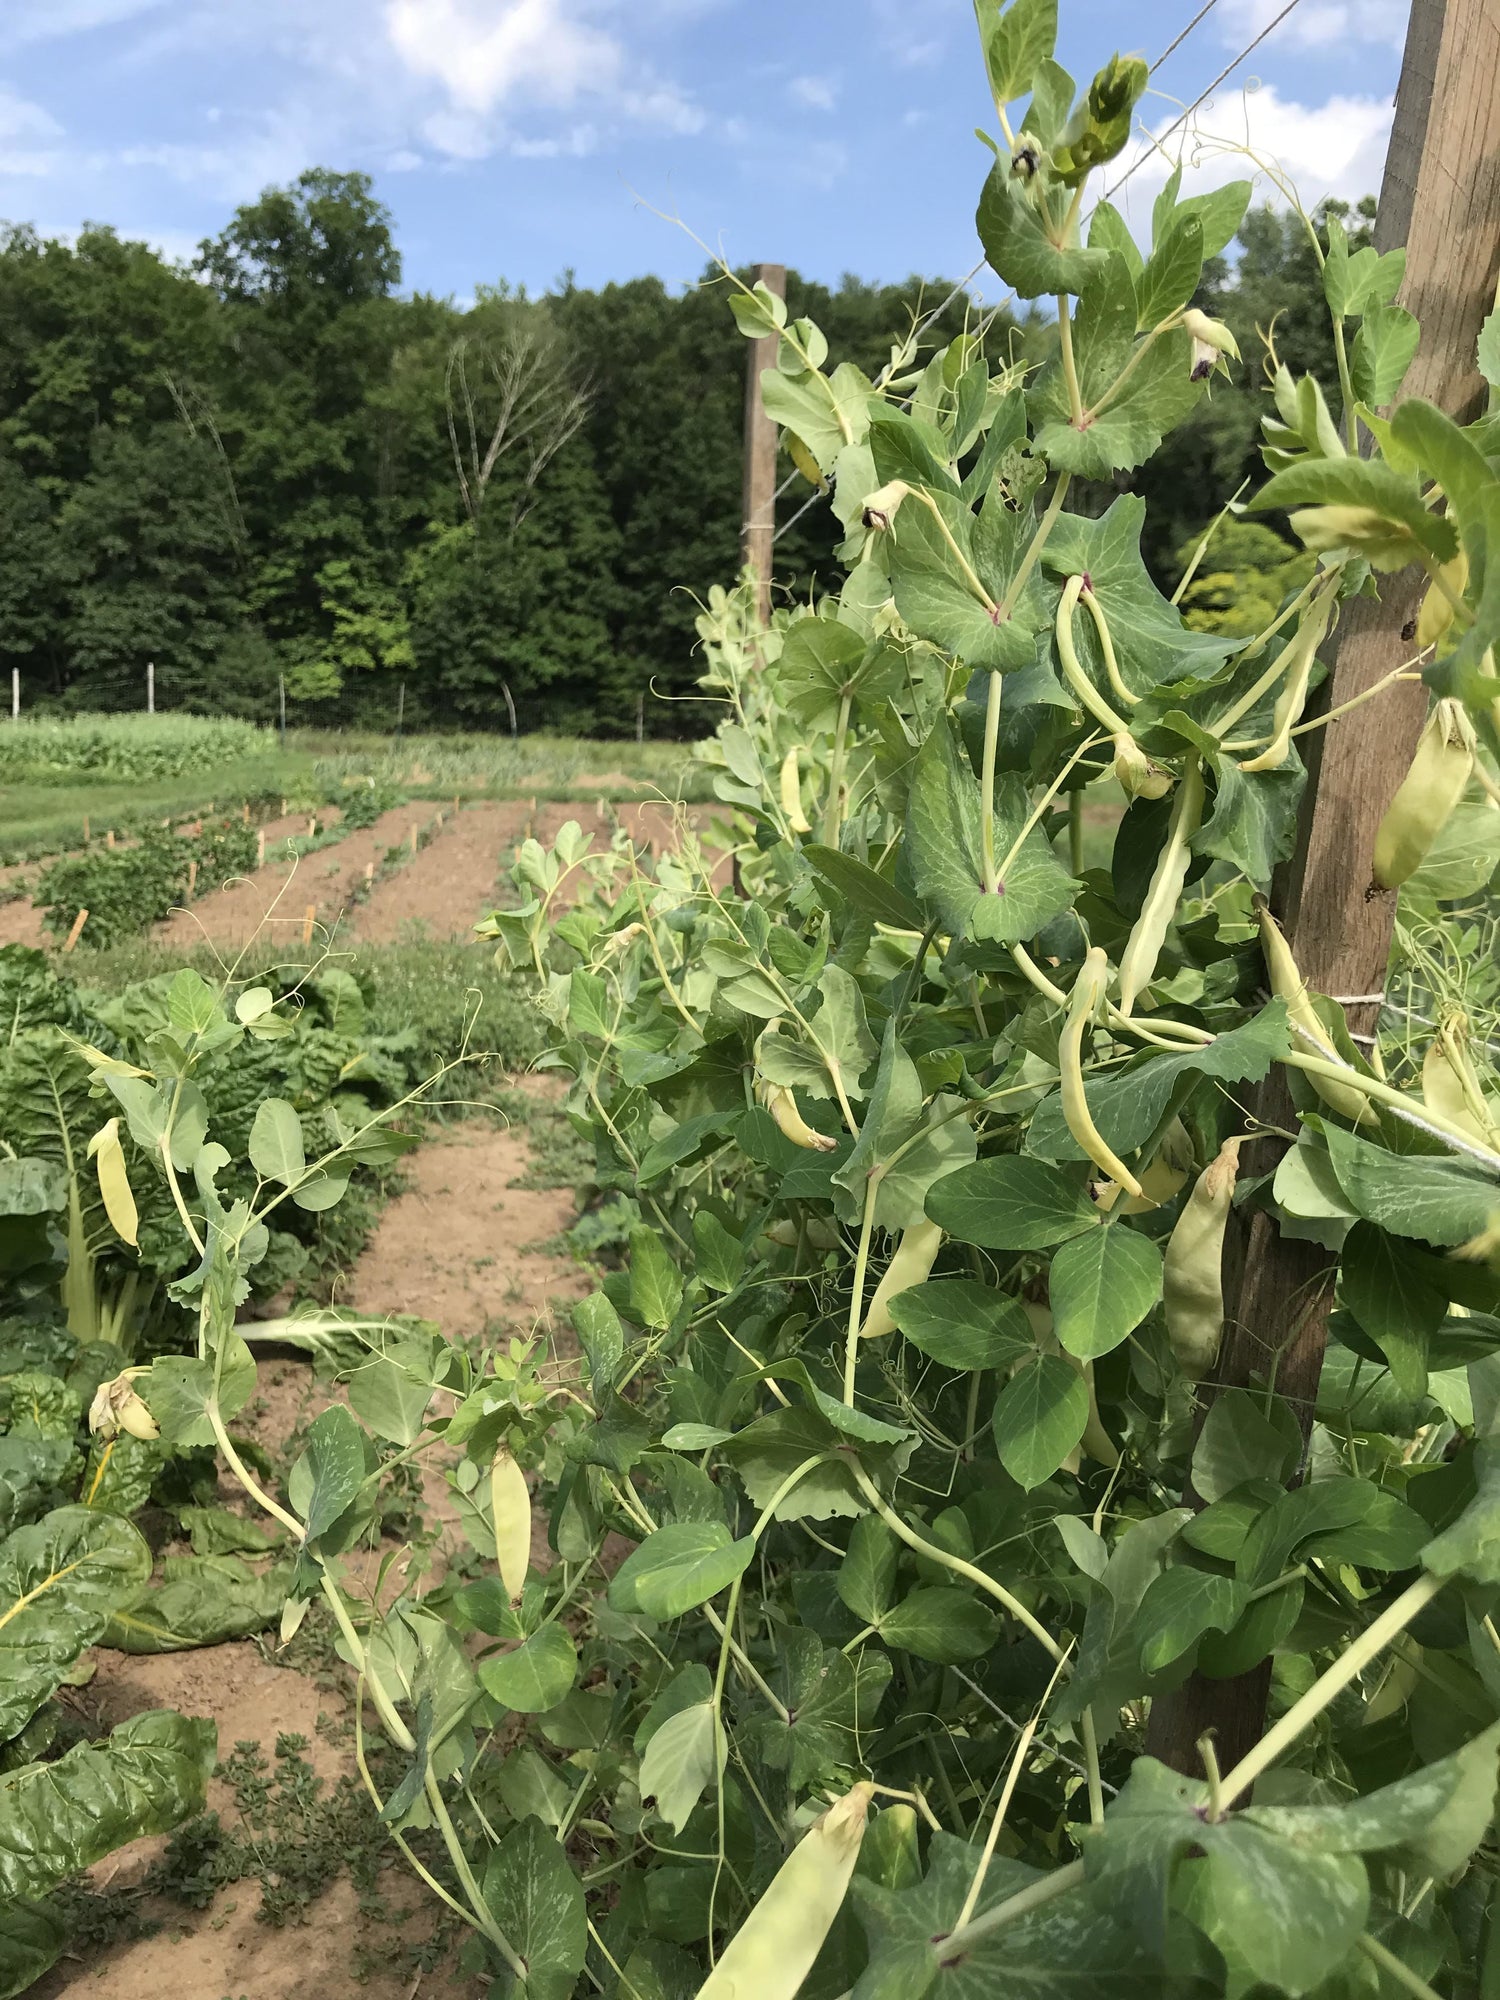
1293	697
1450	1086
782	1105
1436	614
773	1950
1143	947
510	1502
1288	984
1426	796
912	1264
791	793
108	1156
1089	989
1193	1279
1067	653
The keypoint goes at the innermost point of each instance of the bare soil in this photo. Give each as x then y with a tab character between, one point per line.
459	1246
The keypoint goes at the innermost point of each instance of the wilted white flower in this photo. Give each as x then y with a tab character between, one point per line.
116	1407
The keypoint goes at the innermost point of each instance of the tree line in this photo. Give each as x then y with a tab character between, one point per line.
273	465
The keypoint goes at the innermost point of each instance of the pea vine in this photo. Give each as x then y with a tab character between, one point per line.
893	1493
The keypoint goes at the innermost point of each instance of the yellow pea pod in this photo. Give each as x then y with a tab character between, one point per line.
510	1503
1193	1280
1425	799
108	1156
782	1106
1449	1084
1293	697
1143	947
1087	997
791	793
915	1256
1288	984
772	1952
1436	614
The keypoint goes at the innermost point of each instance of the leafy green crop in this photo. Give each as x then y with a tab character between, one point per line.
890	1471
136	749
126	890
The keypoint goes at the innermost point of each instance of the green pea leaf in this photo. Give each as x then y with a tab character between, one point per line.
1023	241
684	1755
1440	1201
866	1579
1101	1286
1012	1204
534	1677
943	843
655	1281
680	1567
1291	1913
1039	1418
537	1901
963	1324
939	1623
1131	420
277	1152
1179	1606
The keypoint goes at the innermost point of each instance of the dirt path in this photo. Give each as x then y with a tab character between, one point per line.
459	1246
328	879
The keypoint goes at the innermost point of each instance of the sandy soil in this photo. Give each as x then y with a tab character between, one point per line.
456	1247
280	894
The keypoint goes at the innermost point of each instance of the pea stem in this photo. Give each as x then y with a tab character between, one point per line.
1329	1685
1388	1962
956	1564
988	870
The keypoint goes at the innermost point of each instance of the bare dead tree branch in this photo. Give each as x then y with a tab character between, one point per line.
505	394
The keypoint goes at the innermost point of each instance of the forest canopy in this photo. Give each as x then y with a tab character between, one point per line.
272	462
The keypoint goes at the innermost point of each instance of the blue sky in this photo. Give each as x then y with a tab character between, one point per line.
514	138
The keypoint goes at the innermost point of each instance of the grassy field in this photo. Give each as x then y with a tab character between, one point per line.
124	772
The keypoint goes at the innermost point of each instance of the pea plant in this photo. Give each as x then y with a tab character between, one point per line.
890	1492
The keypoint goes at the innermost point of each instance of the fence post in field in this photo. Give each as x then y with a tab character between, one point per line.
1441	198
15	694
758	509
150	687
281	698
400	710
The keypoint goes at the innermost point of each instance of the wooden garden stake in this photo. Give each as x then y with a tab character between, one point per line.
192	878
309	917
109	839
758	493
312	826
77	931
260	848
1441	198
412	837
85	829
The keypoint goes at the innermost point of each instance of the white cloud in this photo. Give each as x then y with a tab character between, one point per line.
26	21
1316	24
27	136
1333	148
818	93
484	54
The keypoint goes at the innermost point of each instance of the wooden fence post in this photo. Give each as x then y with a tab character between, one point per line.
1440	197
758	530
